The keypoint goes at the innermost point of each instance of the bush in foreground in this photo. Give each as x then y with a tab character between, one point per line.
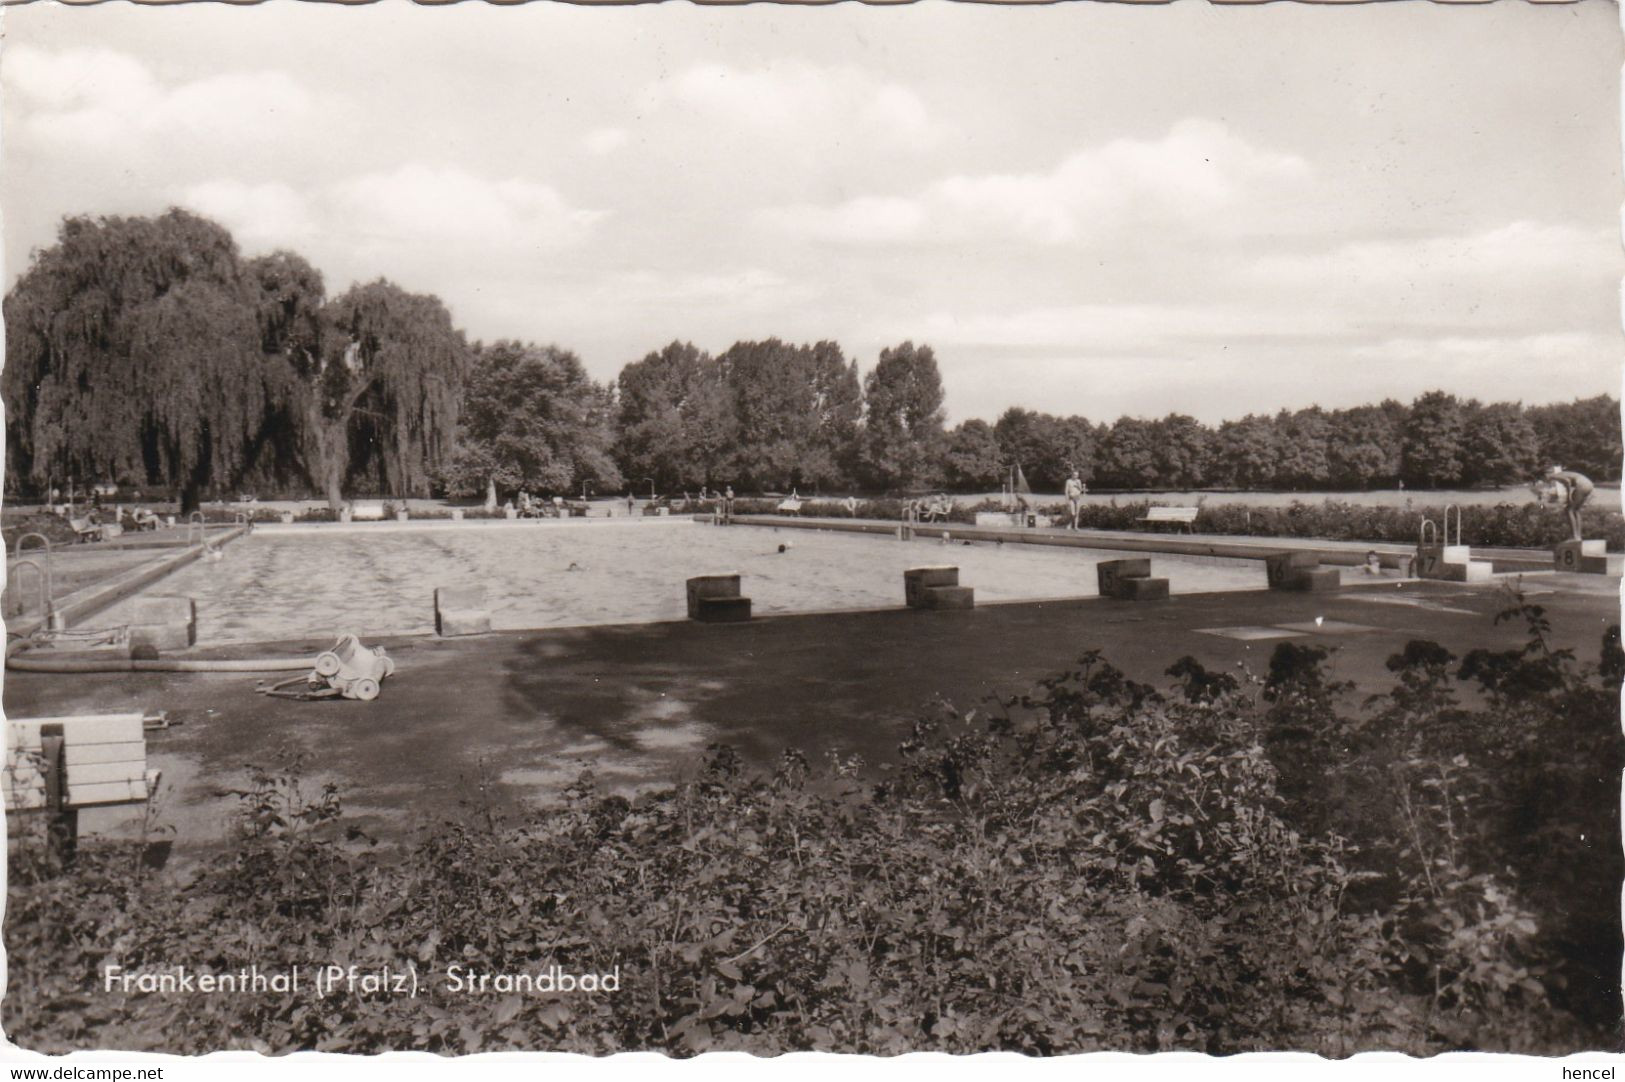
1234	864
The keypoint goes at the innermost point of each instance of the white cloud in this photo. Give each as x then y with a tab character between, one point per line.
1114	328
104	102
811	104
1526	289
745	286
260	216
411	206
601	141
1197	178
1537	354
1520	249
1522	278
447	205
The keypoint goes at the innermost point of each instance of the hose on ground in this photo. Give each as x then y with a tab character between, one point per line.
114	664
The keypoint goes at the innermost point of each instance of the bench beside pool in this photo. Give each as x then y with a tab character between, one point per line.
1178	516
60	765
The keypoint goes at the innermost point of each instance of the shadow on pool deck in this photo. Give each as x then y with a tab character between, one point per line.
516	716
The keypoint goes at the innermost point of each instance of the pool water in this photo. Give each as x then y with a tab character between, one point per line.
271	586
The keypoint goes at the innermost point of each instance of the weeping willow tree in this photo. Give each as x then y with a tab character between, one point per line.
387	413
370	381
143	350
132	354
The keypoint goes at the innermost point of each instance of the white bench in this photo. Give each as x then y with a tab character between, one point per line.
791	506
1177	515
60	765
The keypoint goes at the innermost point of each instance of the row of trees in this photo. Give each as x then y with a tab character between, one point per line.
777	415
1437	441
148	351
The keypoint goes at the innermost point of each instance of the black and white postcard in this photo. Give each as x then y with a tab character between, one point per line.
868	529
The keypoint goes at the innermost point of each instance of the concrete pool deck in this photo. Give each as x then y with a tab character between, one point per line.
514	717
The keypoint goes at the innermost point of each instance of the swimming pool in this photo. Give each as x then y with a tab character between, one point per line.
276	585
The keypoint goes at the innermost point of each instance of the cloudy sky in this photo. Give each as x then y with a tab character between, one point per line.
1089	208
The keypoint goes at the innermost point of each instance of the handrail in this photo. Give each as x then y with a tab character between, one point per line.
46	541
1447	510
43	578
1428	526
49	573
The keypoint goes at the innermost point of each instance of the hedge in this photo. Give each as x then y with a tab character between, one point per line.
1505	525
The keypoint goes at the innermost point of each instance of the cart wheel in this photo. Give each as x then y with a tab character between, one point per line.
365	689
389	666
328	663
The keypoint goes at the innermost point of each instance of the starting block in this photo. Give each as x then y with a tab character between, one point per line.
936	588
1300	571
460	610
1584	557
1130	580
163	623
715	599
1451	563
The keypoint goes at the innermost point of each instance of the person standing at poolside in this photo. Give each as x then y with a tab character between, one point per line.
1075	489
1577	489
728	503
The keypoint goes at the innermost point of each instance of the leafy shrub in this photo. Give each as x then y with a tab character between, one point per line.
1238	863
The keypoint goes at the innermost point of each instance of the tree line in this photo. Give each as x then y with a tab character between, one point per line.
149	352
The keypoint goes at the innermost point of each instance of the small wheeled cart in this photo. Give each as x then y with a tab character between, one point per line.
346	670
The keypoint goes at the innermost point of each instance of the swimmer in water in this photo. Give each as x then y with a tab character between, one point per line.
575	567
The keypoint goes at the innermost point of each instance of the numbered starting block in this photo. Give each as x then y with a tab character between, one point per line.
1438	558
1451	563
1584	557
1300	571
1129	580
347	670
